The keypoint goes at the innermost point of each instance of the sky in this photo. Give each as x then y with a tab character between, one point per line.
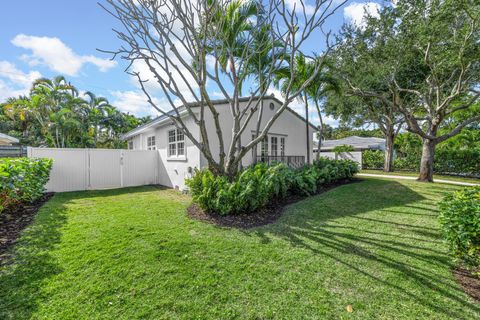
61	37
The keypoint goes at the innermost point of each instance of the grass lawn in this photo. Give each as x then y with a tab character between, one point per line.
133	254
415	174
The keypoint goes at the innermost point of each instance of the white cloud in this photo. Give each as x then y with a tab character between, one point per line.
15	82
57	56
297	5
355	12
135	102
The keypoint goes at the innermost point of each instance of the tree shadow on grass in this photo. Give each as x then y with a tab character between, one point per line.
31	262
387	225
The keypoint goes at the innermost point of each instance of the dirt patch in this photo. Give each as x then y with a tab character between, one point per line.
469	282
264	216
14	220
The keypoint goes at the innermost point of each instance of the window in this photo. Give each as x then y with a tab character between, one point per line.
264	148
151	143
254	148
176	143
274	146
130	145
282	147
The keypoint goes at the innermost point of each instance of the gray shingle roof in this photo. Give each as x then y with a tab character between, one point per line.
7	139
359	143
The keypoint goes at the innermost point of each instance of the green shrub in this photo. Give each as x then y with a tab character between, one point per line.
460	161
256	186
449	161
22	180
373	159
460	220
343	148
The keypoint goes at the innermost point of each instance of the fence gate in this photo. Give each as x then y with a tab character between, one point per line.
94	169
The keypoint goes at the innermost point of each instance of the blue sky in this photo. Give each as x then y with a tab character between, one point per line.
58	37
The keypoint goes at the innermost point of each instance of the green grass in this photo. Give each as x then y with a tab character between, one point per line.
415	174
134	254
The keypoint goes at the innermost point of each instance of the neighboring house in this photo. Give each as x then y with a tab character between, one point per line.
358	144
286	141
6	140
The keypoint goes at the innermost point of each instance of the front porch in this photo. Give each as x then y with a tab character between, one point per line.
291	161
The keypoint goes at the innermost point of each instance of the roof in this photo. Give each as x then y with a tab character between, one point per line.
6	139
358	143
165	117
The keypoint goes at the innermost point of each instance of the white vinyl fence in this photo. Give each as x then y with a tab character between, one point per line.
353	155
93	169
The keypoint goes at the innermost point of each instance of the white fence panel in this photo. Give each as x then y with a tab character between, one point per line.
104	169
70	167
353	155
93	169
140	167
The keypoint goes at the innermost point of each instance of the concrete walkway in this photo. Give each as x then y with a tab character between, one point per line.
458	183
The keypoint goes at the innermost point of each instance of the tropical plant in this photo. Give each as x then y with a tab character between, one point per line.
54	115
259	185
460	220
22	180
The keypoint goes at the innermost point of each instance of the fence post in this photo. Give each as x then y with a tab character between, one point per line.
89	181
122	159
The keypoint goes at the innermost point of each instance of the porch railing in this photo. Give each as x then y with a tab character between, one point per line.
291	161
13	151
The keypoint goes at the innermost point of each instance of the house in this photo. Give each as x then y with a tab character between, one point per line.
287	140
358	144
6	140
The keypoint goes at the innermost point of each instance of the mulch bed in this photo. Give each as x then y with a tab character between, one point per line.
469	282
14	220
261	217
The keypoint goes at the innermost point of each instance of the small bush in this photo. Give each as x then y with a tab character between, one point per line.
22	180
373	159
459	161
343	148
460	220
256	186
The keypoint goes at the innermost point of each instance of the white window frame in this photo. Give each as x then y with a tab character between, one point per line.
176	144
274	142
264	147
130	145
283	145
151	143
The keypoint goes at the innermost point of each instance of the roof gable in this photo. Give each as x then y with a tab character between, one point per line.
160	119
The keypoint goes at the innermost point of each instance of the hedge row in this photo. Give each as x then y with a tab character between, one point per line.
462	162
22	180
258	185
460	220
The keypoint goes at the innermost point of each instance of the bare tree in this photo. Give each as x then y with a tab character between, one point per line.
183	44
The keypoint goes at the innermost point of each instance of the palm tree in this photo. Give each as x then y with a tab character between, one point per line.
302	69
266	53
315	91
96	109
230	26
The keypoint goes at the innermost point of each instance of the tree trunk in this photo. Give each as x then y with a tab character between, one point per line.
388	164
257	131
307	131
320	130
426	164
